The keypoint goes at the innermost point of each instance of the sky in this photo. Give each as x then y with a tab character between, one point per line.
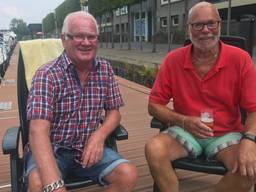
30	11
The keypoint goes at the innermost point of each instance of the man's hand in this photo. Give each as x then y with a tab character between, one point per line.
247	159
194	126
93	151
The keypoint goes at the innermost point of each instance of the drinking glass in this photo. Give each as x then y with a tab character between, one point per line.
207	117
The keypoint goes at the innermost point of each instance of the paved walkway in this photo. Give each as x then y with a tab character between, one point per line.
135	55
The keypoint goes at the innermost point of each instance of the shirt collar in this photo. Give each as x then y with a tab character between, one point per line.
67	61
188	57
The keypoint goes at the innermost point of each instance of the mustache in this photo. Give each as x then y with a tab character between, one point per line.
203	37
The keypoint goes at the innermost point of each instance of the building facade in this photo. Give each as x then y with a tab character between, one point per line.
139	24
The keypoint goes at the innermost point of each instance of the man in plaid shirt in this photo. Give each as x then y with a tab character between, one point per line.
66	101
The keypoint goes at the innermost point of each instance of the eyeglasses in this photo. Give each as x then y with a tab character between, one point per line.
210	25
80	38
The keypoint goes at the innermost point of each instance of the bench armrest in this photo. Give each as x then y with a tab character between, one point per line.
157	124
11	141
120	133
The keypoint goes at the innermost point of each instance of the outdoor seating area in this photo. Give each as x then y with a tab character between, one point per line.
135	119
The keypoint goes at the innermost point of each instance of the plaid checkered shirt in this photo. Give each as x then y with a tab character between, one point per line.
73	110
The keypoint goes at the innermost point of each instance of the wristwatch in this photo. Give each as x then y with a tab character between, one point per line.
250	136
53	186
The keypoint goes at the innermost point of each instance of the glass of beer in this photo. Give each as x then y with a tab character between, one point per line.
207	117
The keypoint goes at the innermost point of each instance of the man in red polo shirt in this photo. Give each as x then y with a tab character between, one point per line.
208	74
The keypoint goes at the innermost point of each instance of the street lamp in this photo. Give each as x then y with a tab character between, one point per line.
55	24
229	17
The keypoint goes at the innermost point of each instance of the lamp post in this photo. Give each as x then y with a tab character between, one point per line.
42	30
55	24
169	25
229	17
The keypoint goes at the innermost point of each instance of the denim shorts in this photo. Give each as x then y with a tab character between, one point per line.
209	147
67	164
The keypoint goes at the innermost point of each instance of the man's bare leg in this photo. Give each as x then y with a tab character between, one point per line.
122	178
160	150
232	181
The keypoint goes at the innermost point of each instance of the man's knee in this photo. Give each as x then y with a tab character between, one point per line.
34	181
128	173
242	181
234	182
124	175
157	147
164	148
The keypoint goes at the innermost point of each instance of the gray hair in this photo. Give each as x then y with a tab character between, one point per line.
74	14
202	4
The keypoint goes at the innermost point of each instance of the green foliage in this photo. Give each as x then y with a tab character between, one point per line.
147	74
97	7
129	2
64	9
48	23
19	27
142	74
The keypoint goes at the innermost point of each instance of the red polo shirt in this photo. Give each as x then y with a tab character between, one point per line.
229	84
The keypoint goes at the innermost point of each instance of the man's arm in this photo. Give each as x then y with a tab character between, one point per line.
190	123
42	150
94	149
247	150
165	114
250	123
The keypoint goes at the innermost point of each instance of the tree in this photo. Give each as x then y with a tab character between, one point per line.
19	27
68	6
49	24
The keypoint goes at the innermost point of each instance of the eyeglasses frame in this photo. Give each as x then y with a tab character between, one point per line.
82	37
206	24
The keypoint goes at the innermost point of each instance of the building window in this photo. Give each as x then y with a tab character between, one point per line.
140	25
175	20
123	11
117	28
163	21
137	15
122	28
164	2
127	26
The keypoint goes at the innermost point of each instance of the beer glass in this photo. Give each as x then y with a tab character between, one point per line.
207	117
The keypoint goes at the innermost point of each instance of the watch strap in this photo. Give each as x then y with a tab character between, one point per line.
249	136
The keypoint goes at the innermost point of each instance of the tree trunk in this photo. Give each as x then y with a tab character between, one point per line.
154	8
129	28
169	25
229	17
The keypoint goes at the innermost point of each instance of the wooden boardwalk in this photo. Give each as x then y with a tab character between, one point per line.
134	117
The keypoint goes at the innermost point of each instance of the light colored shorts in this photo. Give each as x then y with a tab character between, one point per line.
67	165
209	147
